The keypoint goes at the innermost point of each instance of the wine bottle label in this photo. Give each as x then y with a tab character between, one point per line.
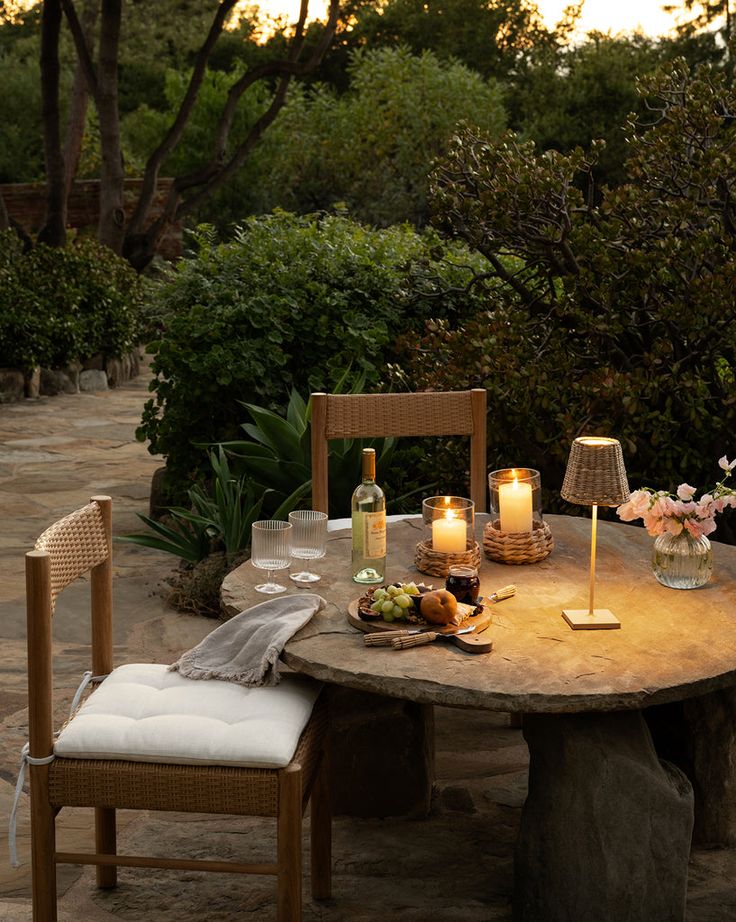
374	535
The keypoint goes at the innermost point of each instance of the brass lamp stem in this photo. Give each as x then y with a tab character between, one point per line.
592	558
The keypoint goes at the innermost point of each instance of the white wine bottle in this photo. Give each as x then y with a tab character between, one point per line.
369	525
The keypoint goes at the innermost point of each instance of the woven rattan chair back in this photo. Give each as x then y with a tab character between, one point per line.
349	416
75	544
82	542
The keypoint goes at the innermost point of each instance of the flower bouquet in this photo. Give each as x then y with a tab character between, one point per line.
682	556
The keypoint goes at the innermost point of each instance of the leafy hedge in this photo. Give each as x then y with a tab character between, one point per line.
57	305
619	317
290	302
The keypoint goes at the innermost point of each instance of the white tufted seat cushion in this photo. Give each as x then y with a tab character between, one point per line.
144	713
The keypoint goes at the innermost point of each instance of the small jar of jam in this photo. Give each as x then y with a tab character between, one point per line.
464	584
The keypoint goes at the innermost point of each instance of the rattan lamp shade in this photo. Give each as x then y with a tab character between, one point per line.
595	473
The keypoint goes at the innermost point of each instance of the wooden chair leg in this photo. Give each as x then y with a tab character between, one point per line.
43	848
289	849
321	833
105	843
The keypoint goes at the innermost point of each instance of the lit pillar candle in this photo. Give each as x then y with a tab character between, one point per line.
448	534
515	506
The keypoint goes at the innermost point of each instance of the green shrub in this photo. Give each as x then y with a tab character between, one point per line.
372	147
290	302
57	305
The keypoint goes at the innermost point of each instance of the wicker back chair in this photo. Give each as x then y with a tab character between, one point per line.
347	416
79	543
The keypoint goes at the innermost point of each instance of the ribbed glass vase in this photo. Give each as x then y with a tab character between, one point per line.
681	561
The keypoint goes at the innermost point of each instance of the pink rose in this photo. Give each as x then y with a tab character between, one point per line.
694	527
637	505
685	491
672	526
697	528
655	526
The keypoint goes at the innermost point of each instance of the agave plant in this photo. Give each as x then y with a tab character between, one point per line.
277	455
218	520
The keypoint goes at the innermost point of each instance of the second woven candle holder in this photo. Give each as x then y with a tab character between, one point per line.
517	532
518	547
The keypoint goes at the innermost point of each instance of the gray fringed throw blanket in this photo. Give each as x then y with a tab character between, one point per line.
246	649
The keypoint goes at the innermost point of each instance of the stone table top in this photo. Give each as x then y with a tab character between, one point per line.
673	644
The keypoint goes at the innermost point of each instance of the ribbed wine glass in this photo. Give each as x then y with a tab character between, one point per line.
308	540
270	550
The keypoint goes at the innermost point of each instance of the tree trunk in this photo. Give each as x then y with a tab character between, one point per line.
140	244
78	106
111	227
54	230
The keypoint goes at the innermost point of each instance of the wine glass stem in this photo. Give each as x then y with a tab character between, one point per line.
269	578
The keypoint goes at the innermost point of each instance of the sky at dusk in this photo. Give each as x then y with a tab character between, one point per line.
604	15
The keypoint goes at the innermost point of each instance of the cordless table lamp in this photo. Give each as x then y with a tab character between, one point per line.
595	476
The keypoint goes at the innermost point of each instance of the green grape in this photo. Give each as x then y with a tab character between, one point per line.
379	595
398	612
393	591
376	606
388	617
411	589
387	606
403	601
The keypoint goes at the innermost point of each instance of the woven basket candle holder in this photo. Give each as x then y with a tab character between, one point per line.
437	563
518	547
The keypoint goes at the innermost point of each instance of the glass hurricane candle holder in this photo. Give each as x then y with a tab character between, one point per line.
516	499
517	532
448	523
449	538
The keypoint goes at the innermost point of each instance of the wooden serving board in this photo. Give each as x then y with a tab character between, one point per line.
472	642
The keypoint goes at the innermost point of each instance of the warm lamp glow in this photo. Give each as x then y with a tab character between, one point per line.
596	440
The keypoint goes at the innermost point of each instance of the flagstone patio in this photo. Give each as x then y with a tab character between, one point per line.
454	866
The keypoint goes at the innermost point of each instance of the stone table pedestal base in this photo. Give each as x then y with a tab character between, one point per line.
606	828
381	755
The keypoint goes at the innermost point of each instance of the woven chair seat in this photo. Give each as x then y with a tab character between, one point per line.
184	788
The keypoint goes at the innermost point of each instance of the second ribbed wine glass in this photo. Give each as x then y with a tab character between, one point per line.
270	550
308	540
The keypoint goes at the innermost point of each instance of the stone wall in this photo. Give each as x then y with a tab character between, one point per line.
96	374
26	203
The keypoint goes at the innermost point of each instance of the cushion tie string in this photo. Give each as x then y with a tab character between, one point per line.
27	759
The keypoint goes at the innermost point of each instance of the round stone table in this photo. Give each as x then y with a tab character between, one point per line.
606	822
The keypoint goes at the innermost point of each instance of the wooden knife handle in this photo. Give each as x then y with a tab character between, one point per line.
382	638
413	640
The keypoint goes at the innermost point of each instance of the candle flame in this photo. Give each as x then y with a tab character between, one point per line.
515	483
450	514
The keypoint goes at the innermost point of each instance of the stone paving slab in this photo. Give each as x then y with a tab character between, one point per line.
455	866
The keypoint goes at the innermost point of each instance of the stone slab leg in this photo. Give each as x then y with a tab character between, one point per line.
606	828
711	738
381	755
